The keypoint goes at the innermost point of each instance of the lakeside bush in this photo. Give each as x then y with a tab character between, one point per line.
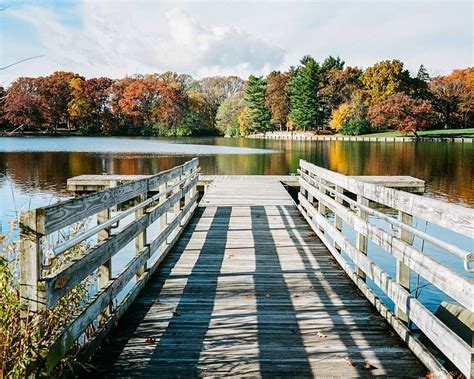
356	127
24	337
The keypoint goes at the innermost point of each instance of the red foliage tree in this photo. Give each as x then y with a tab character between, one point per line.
23	105
453	98
56	94
89	107
277	98
402	112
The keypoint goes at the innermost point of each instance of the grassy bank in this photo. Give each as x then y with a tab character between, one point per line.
438	133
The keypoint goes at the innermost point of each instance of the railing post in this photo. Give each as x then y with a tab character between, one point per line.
361	239
164	216
321	207
105	270
403	271
338	219
140	240
32	290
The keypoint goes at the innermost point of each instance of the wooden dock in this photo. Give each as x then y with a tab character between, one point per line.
249	290
246	281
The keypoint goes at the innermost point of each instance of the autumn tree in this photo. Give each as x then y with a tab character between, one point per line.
56	94
453	98
23	105
3	122
340	116
89	108
339	86
182	82
306	111
277	98
140	100
402	112
258	116
385	79
227	118
171	106
218	88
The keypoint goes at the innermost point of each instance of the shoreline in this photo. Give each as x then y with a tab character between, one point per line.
308	136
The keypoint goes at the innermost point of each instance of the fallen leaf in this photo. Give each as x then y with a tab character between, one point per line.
368	366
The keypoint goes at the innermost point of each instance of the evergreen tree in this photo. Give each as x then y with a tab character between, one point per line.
306	111
258	116
423	74
420	84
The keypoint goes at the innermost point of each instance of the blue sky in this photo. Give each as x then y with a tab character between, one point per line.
116	38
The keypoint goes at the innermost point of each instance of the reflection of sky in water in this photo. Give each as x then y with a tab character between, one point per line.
118	145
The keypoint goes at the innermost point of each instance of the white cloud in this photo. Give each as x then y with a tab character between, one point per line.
120	40
116	38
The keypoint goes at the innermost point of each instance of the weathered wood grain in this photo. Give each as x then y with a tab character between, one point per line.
65	213
444	338
447	280
248	290
452	216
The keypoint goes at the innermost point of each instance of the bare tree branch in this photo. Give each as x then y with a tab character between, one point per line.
23	60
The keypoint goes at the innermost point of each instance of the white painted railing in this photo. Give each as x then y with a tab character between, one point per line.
328	199
168	199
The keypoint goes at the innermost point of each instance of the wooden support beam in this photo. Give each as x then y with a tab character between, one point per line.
361	238
140	240
105	270
32	291
403	271
337	218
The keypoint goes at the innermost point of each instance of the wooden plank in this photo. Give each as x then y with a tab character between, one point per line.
249	291
412	341
74	330
452	216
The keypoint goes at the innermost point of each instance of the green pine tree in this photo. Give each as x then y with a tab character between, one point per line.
258	116
423	74
306	111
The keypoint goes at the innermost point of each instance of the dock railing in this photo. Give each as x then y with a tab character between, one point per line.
328	199
167	199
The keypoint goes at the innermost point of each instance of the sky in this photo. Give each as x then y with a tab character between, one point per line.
116	38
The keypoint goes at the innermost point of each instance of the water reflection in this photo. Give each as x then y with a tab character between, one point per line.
448	168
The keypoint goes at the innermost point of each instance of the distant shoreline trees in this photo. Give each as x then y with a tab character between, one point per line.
312	96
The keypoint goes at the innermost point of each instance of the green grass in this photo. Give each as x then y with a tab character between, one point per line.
427	133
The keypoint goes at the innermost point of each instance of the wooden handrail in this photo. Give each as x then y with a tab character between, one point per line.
322	190
41	286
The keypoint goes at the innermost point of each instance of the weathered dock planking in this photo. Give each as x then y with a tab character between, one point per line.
245	282
248	290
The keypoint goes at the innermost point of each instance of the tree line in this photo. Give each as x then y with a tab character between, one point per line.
167	104
325	97
349	100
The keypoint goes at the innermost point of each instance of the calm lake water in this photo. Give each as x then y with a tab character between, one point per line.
34	170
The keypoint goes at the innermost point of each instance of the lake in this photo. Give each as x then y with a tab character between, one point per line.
34	170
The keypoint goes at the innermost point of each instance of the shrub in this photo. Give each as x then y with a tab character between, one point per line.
232	131
356	127
25	337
